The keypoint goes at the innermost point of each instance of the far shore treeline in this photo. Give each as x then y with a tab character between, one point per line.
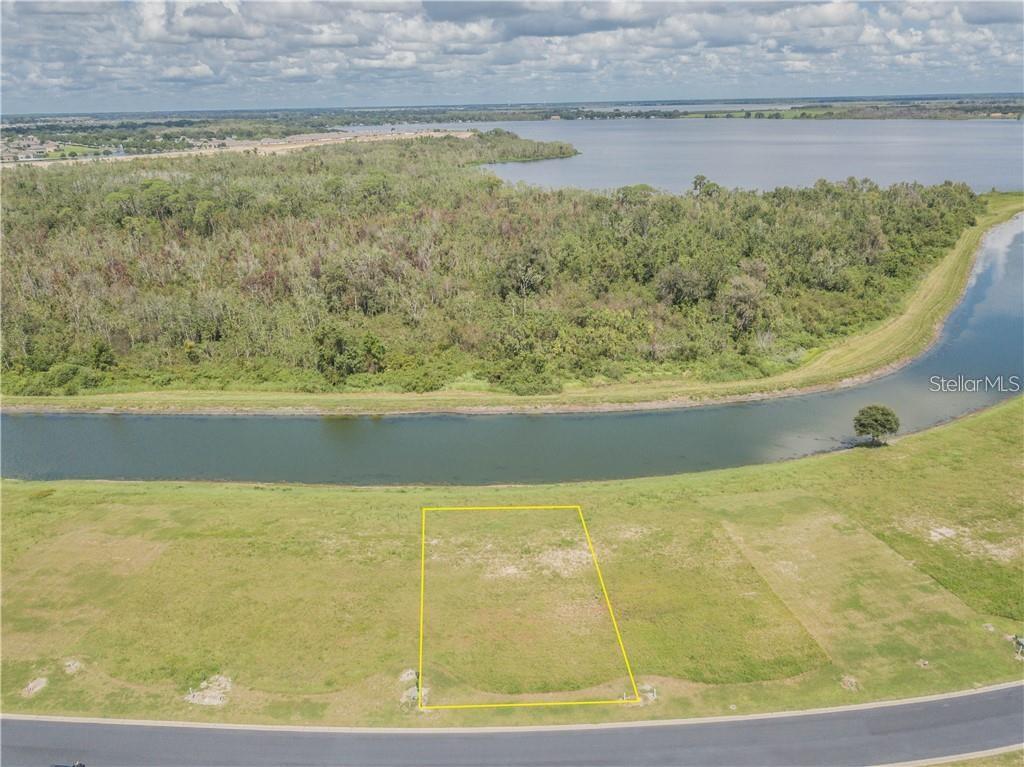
400	265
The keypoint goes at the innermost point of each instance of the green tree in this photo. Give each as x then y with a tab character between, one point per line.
247	256
746	301
877	422
204	215
523	273
102	356
677	285
341	352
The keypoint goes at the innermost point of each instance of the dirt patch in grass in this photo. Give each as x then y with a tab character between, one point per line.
564	562
34	687
497	561
212	692
632	532
962	538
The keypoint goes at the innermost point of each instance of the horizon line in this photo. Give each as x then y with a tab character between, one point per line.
536	104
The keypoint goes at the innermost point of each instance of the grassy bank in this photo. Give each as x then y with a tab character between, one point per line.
865	575
872	352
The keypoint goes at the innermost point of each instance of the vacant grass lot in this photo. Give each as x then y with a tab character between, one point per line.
529	622
908	333
856	576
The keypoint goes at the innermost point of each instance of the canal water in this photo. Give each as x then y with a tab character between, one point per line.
978	361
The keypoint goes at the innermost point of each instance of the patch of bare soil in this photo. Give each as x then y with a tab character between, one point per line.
564	562
212	692
850	683
503	571
409	675
72	666
962	538
633	532
34	687
409	697
941	533
499	563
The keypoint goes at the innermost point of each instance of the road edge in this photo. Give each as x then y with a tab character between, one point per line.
535	728
953	758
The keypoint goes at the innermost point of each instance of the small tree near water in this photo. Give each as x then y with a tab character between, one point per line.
877	422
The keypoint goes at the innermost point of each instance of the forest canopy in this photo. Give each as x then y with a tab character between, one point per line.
401	265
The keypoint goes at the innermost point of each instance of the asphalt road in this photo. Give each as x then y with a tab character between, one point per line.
867	736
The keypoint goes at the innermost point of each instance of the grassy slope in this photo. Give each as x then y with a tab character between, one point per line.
737	591
890	343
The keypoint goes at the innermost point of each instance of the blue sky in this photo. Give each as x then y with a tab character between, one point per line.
124	56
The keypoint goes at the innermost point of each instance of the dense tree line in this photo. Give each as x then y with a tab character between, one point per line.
400	265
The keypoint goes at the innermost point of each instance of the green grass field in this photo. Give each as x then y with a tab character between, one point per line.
79	149
529	623
851	577
907	334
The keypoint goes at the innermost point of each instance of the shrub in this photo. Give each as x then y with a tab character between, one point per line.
102	356
340	352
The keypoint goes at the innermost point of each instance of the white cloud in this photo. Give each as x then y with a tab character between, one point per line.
164	55
797	65
195	73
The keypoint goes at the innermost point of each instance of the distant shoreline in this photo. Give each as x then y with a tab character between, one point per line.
738	102
262	146
38	139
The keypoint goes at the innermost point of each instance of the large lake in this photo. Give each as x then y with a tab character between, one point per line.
983	337
764	154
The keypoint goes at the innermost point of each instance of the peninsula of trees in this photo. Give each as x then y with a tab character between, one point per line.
402	266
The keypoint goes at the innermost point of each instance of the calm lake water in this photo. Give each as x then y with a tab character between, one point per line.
765	154
983	337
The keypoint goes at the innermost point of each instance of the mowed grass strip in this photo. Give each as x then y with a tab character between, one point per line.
514	611
863	575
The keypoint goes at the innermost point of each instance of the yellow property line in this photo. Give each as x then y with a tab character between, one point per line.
608	601
423	586
494	508
531	704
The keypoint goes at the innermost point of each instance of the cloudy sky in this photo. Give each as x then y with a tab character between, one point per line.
82	56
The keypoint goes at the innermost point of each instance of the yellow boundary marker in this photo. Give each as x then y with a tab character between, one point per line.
600	579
